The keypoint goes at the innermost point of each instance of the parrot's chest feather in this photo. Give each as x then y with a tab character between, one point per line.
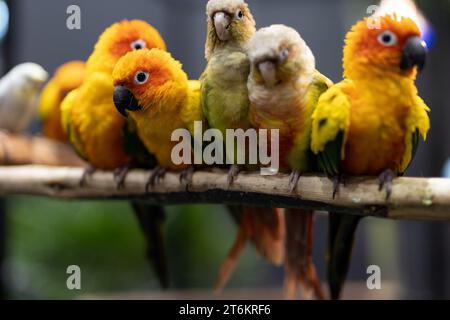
227	98
229	68
155	129
282	107
376	139
100	130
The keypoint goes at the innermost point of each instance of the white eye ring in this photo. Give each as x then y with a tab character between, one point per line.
138	44
239	14
141	77
387	38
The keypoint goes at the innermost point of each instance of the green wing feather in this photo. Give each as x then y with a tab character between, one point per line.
329	160
330	122
415	146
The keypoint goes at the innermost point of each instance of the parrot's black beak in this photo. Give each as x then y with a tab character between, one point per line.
125	100
414	54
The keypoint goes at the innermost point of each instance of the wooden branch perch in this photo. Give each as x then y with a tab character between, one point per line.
19	150
412	198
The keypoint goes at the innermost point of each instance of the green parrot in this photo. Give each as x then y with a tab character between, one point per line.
225	105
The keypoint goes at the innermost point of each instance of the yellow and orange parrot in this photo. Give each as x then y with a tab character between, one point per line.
102	136
225	104
67	77
152	89
98	133
371	122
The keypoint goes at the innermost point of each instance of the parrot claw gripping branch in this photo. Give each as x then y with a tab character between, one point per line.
120	108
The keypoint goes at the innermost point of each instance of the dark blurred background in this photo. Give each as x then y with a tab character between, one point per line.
45	236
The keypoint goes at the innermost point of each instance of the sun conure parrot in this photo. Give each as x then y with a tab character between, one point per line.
152	89
225	105
89	127
371	122
67	77
284	87
102	136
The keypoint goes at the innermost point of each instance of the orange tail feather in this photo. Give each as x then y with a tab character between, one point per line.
266	228
299	265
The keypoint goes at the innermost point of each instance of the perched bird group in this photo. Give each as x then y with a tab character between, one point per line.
120	108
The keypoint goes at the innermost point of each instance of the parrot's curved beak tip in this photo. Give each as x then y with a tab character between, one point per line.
125	101
222	22
414	54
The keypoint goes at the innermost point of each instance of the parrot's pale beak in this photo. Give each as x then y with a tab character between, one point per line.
125	101
414	54
268	70
222	23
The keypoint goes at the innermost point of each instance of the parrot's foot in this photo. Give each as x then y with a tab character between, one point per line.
337	181
232	174
293	181
186	177
88	171
385	182
120	175
155	177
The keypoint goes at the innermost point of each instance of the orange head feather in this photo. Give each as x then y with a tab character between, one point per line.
393	45
149	78
121	38
70	76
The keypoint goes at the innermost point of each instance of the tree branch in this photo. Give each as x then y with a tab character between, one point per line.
412	198
19	150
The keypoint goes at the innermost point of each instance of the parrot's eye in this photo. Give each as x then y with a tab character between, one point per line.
240	14
141	77
387	38
138	44
284	54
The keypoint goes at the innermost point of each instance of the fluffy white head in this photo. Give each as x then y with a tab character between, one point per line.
29	71
279	43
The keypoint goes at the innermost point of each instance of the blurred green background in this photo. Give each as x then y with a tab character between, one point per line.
46	236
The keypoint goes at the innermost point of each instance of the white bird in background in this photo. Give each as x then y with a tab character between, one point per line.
19	93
